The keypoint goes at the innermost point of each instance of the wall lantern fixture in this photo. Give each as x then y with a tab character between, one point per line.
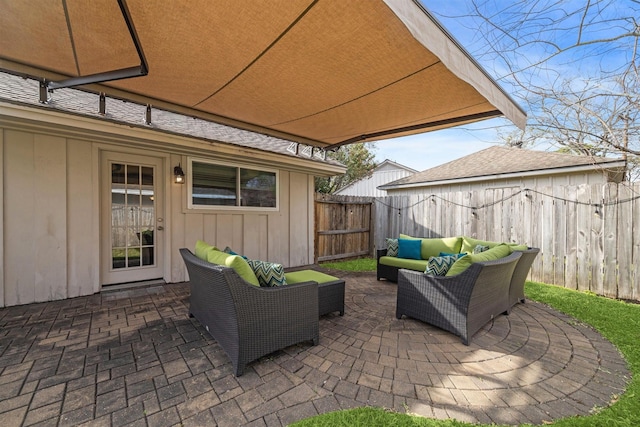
178	175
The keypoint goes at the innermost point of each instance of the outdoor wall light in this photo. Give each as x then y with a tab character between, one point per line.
178	175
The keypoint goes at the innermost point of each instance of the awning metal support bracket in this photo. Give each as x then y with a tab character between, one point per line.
47	86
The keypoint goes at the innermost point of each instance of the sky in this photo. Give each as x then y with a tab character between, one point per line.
424	151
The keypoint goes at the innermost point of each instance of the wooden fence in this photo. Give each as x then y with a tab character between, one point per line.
342	227
589	235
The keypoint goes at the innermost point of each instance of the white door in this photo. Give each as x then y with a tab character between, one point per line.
131	218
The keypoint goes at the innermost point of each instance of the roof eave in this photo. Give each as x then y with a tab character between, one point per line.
553	171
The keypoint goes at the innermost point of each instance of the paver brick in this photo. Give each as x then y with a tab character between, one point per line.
135	358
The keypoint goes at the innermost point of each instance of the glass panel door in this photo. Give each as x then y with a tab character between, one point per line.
131	225
132	216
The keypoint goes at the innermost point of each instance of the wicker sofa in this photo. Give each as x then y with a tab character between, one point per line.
461	304
388	267
250	321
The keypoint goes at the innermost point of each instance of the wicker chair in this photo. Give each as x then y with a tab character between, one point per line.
461	304
248	321
516	291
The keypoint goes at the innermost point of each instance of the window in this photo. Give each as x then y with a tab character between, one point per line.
226	185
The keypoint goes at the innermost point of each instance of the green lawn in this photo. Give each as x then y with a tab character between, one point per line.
618	321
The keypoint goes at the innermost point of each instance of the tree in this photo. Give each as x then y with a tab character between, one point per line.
359	160
574	66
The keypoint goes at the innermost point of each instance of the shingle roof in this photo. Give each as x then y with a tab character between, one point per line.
499	160
19	90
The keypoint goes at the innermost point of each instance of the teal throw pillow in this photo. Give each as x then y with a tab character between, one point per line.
269	274
230	251
439	265
455	255
392	247
409	248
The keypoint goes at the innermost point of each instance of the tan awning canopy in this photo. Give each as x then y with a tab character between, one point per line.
323	72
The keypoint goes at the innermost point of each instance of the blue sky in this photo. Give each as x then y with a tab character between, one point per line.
430	149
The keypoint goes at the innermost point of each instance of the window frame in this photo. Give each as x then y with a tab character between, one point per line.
238	166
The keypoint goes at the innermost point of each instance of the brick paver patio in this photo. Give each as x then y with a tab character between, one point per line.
135	358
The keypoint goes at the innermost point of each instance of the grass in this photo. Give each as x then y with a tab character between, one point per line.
360	264
617	321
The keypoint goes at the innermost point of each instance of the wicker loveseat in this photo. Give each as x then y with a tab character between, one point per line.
250	321
461	304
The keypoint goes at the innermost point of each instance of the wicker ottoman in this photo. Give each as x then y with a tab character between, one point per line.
330	289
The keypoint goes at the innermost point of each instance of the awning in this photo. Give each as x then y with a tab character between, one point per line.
323	72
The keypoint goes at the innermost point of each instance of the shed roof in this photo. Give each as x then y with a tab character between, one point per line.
498	161
317	72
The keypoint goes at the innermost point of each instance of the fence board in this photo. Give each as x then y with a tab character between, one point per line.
579	250
635	243
559	234
584	214
596	242
571	247
609	243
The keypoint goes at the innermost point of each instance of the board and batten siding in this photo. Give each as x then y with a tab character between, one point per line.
50	210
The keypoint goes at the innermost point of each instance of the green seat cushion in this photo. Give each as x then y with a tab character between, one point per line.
202	249
236	262
497	252
409	264
308	276
433	247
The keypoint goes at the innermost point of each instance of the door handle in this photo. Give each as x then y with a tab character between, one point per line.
160	228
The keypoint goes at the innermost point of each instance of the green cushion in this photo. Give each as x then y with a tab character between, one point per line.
308	276
515	247
497	252
469	244
202	249
410	264
236	262
433	247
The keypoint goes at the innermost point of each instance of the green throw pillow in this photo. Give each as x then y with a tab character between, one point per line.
269	274
469	244
497	252
202	249
236	262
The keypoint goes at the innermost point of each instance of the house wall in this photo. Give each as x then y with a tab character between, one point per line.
50	208
549	180
367	187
